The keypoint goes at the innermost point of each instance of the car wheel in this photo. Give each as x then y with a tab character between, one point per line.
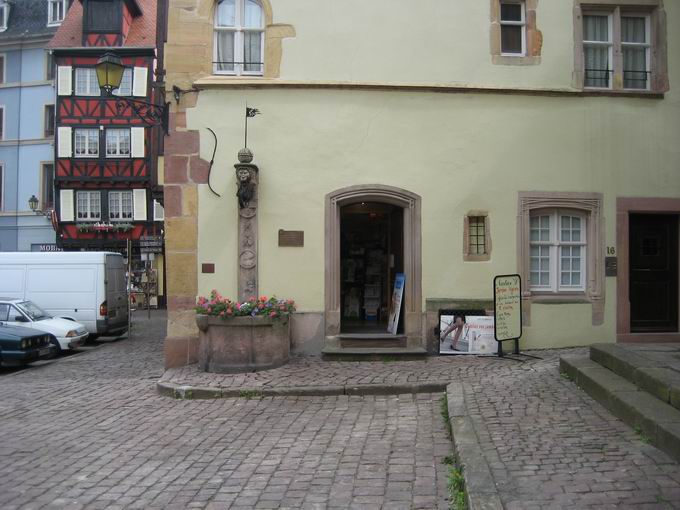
55	342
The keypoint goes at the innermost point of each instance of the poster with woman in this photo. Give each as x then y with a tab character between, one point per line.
461	333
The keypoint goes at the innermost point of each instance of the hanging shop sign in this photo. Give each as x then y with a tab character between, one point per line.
397	296
151	244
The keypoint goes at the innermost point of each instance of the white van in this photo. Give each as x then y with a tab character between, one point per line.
86	287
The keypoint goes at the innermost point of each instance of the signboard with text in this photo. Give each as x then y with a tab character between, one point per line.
507	303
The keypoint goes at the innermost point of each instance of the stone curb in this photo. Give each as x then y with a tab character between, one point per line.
189	392
480	487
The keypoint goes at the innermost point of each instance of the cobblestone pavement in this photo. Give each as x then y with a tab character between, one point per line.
90	431
549	445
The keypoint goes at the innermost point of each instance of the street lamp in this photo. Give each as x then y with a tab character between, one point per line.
109	75
33	203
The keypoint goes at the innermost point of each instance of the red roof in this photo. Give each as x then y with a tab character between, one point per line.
142	32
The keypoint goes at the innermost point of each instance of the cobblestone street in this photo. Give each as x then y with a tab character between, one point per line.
91	431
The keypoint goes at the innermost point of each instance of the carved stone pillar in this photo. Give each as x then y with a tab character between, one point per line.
247	181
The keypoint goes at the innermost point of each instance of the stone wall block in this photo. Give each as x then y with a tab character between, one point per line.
176	169
172	196
182	142
198	170
181	233
178	120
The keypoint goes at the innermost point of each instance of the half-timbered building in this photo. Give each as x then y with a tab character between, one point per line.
107	147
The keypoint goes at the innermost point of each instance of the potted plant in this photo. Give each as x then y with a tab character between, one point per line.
248	336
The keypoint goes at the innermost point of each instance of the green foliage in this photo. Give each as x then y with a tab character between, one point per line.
641	435
249	394
567	376
456	484
218	306
444	407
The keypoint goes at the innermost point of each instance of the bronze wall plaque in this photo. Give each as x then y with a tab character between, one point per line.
610	266
207	268
291	238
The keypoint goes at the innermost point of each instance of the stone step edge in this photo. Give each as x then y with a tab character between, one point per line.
642	372
657	422
189	392
480	488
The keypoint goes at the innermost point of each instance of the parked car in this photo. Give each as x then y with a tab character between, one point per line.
19	346
65	334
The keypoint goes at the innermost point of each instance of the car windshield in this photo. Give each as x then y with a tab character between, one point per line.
34	312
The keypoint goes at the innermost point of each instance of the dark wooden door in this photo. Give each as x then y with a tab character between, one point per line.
653	272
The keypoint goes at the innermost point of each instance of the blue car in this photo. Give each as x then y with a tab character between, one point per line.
19	346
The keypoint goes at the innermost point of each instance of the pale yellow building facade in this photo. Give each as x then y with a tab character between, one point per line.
482	137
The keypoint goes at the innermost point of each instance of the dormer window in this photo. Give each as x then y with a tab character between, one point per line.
103	17
4	15
56	10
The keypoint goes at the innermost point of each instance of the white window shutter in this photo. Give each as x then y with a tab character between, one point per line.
66	204
64	142
137	142
139	81
139	203
64	80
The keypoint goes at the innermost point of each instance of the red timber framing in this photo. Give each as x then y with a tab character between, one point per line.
102	173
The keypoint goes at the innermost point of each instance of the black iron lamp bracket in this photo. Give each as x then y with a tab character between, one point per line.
152	114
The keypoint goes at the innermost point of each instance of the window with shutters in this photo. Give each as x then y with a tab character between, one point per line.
88	206
47	193
86	143
239	37
86	82
48	131
120	206
117	143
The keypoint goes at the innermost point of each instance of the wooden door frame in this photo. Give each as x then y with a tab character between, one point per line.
624	207
412	241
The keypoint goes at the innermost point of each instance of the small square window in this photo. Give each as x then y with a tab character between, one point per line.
476	238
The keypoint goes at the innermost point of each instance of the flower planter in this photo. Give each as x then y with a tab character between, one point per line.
242	344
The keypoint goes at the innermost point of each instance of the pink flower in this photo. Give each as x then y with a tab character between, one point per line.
273	314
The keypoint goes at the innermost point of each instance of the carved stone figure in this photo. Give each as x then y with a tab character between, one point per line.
246	187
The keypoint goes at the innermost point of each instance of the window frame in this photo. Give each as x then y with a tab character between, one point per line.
3	68
468	256
50	134
43	200
158	217
87	147
50	12
2	122
118	155
128	71
50	66
609	43
522	23
2	186
117	196
4	18
91	72
239	42
647	45
656	35
89	194
554	243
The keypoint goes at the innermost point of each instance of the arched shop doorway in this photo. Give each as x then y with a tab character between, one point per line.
372	234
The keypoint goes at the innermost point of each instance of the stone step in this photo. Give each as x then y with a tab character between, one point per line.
656	420
648	369
371	340
333	351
